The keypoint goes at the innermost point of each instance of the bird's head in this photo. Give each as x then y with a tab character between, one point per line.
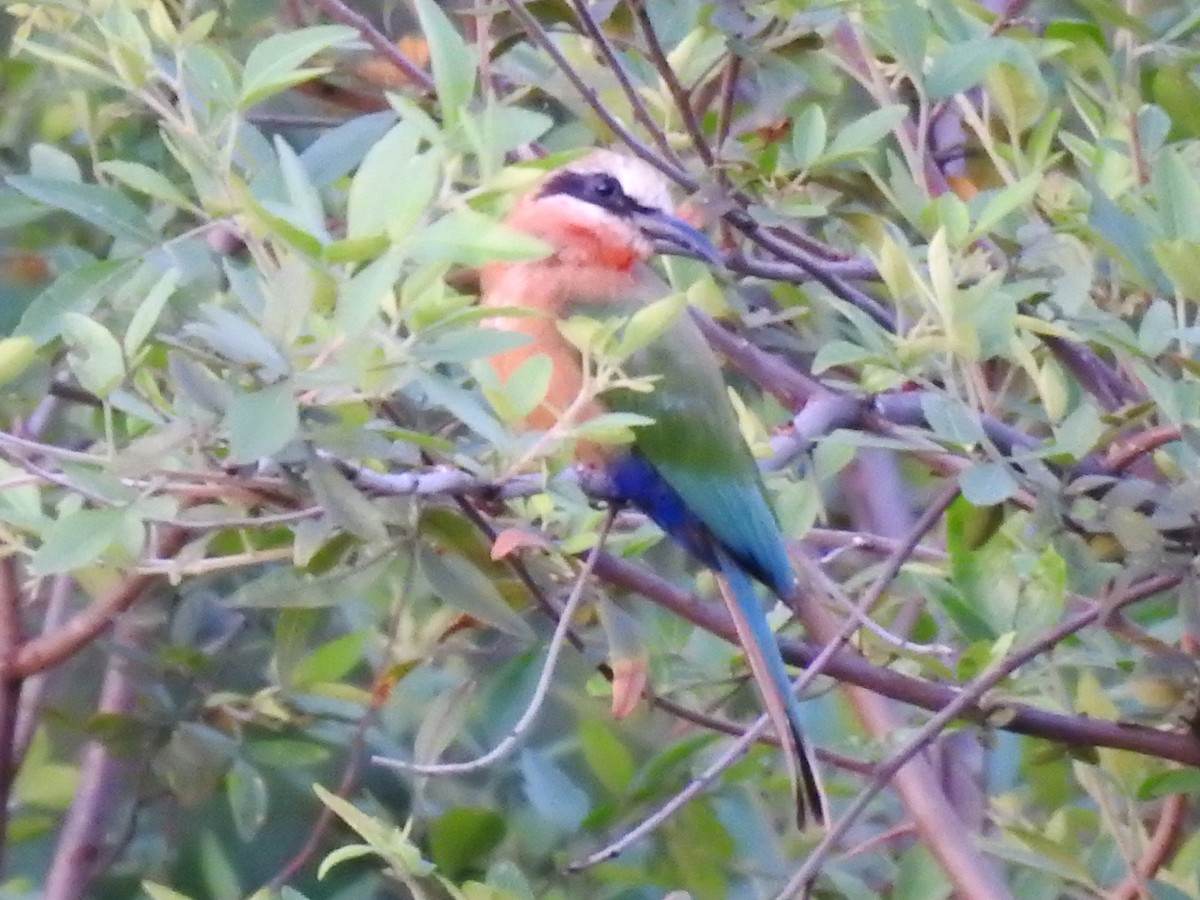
608	210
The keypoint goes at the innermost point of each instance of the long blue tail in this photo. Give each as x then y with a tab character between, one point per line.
774	684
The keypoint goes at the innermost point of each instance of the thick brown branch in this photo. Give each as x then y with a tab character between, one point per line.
51	649
10	690
1168	832
850	667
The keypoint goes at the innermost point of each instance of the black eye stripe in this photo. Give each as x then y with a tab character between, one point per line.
598	188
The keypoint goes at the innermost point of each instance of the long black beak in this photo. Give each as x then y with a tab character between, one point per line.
678	235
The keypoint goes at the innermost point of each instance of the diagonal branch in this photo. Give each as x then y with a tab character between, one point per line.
850	667
378	40
50	649
11	597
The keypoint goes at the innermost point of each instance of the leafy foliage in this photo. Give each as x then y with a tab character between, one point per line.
247	417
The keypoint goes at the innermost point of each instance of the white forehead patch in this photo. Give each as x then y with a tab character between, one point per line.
640	181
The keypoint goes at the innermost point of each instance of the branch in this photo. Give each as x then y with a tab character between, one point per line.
82	834
678	94
850	667
968	698
1168	832
378	40
640	112
50	649
11	597
557	640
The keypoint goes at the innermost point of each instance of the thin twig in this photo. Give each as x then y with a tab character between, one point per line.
557	640
535	30
971	694
379	41
678	94
350	775
640	111
57	592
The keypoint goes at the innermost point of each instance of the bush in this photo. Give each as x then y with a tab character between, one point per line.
268	515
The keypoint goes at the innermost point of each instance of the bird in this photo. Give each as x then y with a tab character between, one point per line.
690	470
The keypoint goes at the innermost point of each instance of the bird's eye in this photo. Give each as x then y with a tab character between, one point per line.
605	187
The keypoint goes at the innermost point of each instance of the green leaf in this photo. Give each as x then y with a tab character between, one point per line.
262	422
247	794
338	151
526	387
1177	259
146	315
77	539
105	208
461	838
608	758
305	200
343	502
466	588
274	64
649	323
381	201
1173	781
864	133
809	134
987	483
962	66
999	204
198	384
238	341
162	892
95	355
46	161
1177	191
610	428
452	61
332	661
145	180
472	239
343	854
951	420
16	355
551	792
360	300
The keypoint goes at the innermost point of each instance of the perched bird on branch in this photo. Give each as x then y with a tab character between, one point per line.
691	470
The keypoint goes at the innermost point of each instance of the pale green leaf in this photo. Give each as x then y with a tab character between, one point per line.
77	539
105	208
274	64
551	792
146	315
95	355
987	483
472	239
463	586
360	300
809	135
247	794
864	133
146	180
261	423
452	61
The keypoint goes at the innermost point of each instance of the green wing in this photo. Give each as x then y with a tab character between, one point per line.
696	445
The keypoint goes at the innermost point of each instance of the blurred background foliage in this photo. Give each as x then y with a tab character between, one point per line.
245	420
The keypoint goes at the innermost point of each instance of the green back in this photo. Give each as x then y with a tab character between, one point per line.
696	445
